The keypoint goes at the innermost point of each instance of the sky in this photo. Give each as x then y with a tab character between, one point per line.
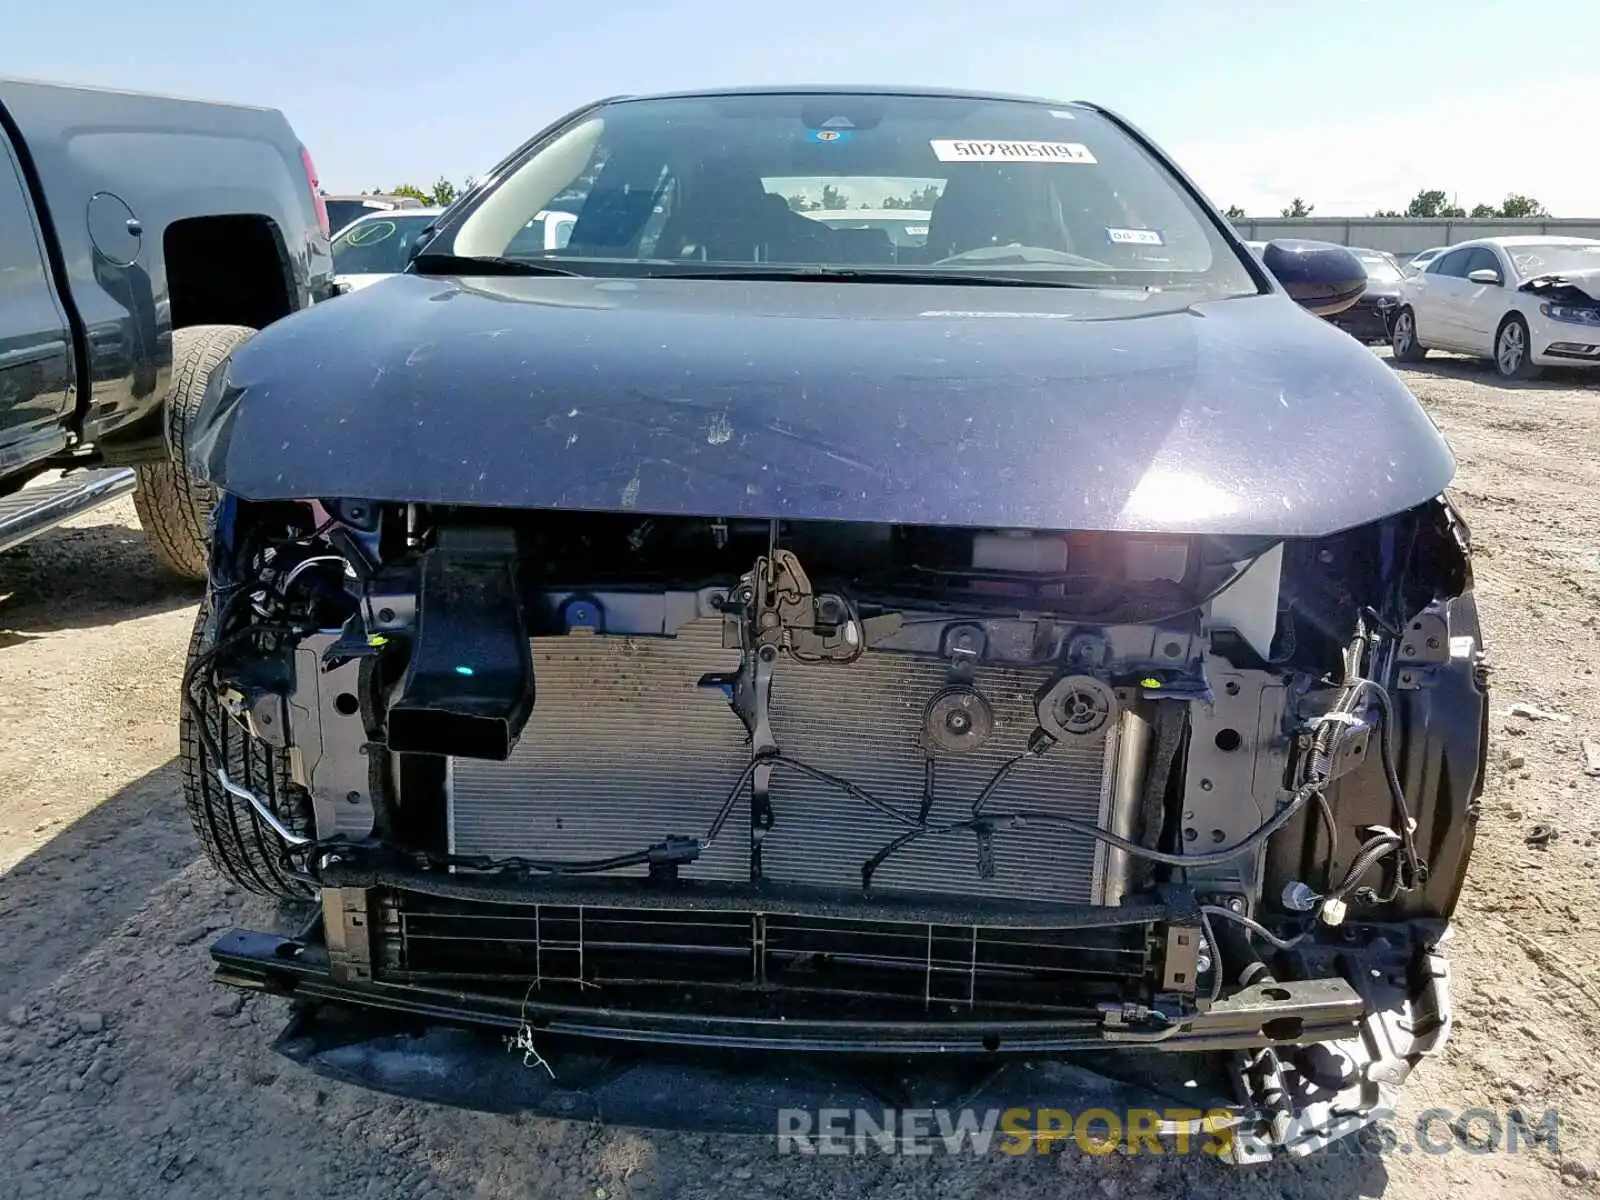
1353	105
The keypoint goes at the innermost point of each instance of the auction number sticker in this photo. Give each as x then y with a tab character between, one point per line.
948	150
1135	237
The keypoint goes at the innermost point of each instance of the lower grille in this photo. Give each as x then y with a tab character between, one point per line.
594	953
624	749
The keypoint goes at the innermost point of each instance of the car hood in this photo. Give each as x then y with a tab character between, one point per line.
354	283
916	404
1561	284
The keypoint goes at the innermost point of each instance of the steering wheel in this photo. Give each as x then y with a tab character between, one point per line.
1020	254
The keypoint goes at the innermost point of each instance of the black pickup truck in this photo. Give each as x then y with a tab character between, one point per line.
142	238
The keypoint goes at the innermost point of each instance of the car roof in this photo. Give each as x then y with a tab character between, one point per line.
834	89
389	214
381	197
1528	239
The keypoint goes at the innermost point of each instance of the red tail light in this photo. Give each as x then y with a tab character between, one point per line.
316	189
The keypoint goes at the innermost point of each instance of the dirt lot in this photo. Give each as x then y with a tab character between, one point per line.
125	1072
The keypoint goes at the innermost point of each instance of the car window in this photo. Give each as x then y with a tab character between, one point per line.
1013	189
1453	264
1484	259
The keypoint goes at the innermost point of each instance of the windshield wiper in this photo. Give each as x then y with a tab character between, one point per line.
856	275
465	264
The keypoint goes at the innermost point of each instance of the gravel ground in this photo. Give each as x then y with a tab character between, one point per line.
125	1072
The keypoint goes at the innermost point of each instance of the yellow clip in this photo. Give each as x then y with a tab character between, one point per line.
1150	682
377	639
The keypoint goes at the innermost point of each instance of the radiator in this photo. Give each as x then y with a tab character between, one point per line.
624	749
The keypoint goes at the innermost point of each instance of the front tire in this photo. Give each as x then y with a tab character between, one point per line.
1513	350
173	507
1403	338
242	847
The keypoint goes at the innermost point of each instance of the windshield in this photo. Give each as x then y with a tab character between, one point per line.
931	185
377	245
1553	258
1380	267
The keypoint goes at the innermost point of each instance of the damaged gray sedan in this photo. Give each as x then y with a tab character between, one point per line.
1043	640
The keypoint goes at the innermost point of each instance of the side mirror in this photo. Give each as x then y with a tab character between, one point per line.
417	243
1484	275
1320	276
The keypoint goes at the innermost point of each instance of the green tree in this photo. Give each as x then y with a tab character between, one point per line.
1299	208
921	199
1234	213
799	203
1484	210
1388	212
444	192
832	197
411	190
1515	205
1432	202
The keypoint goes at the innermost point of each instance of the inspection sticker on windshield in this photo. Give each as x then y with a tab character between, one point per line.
946	150
1135	237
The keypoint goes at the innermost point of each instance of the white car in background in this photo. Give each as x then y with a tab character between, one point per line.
1419	262
383	243
1523	302
377	245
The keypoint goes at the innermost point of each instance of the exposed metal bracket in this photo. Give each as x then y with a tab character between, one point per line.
1236	762
329	750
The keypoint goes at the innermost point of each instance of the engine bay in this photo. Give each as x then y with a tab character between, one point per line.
1041	787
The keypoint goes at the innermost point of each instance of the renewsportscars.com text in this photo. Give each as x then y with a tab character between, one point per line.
1218	1132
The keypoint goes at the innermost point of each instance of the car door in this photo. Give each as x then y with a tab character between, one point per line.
36	365
1436	299
1482	304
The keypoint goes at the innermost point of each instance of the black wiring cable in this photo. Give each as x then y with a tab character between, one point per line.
1000	776
1370	855
1216	955
1392	774
1210	858
1326	809
1252	926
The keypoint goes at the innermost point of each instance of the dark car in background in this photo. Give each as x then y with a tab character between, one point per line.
723	630
1370	317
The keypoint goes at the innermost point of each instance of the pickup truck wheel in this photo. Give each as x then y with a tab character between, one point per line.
172	507
242	846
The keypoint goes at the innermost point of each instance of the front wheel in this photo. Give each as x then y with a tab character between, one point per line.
239	842
1513	350
1403	338
173	507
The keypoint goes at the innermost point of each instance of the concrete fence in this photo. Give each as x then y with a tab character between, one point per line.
1405	236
